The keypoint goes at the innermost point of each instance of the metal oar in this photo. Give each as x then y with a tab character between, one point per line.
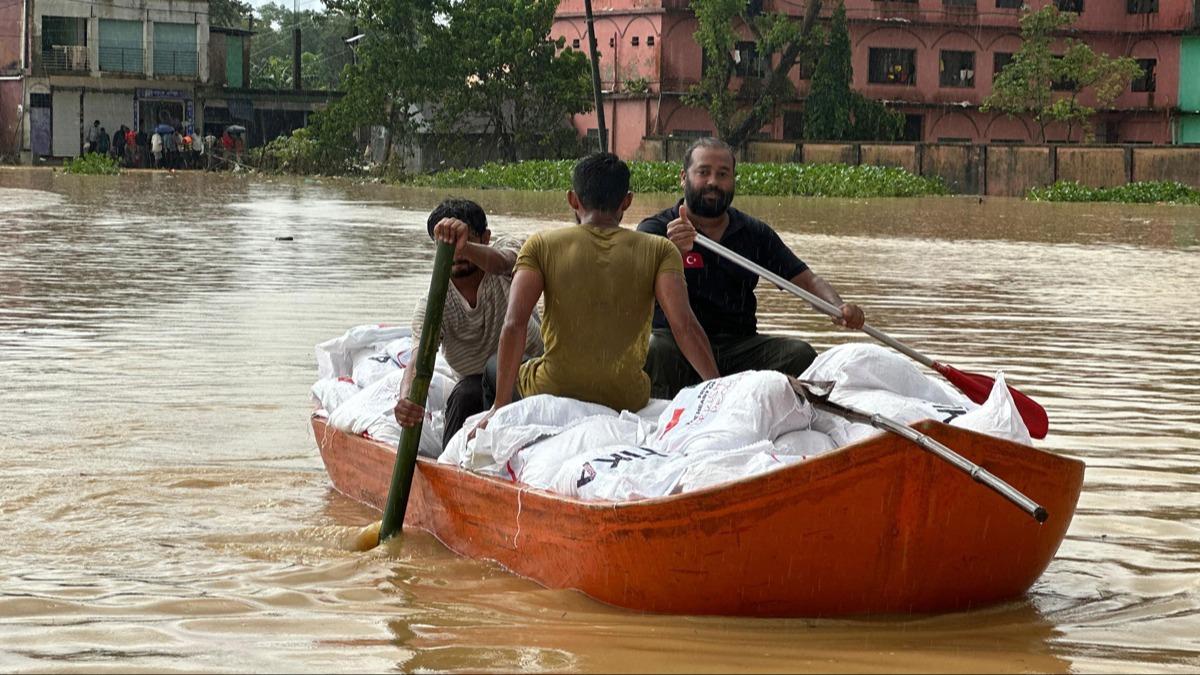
410	437
818	395
977	387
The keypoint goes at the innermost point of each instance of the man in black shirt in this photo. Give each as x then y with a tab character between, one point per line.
720	292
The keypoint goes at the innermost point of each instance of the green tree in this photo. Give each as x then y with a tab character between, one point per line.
835	112
506	78
323	35
228	13
1047	86
395	70
781	42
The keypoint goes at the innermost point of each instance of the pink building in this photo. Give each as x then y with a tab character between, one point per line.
12	63
933	60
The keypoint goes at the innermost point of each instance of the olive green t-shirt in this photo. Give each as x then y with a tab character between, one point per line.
599	300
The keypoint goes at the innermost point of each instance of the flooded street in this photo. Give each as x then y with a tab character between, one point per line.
164	507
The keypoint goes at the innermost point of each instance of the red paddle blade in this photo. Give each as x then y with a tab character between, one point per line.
978	387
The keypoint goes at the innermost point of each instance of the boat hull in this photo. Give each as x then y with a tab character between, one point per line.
880	526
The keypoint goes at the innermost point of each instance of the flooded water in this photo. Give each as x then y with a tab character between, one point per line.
164	508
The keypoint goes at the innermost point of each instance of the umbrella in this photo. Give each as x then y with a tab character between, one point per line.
235	129
164	129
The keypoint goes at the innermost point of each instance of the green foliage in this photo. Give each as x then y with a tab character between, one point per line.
1027	83
833	111
324	51
637	85
779	39
459	70
506	77
298	153
1148	192
228	13
93	163
814	180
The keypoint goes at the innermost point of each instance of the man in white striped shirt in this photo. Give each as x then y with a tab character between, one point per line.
474	314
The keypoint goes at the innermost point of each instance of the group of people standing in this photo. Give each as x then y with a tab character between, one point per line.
164	147
627	314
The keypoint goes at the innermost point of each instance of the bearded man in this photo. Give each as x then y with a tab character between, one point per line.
476	301
720	292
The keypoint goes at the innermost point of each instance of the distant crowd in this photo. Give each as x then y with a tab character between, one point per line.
166	147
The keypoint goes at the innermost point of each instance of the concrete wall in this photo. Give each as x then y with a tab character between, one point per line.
999	170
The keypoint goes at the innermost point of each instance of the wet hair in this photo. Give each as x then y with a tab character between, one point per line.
464	209
600	181
709	143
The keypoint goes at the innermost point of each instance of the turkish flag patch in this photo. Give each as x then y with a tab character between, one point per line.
693	261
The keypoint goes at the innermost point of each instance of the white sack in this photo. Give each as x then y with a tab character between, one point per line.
731	412
371	365
618	473
513	427
863	366
715	467
329	393
335	357
804	443
538	464
372	412
998	416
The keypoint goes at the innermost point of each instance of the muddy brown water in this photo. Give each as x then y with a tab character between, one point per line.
163	506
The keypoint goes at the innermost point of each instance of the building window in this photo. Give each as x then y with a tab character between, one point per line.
1009	4
649	40
793	125
999	61
957	69
1145	81
953	139
746	62
175	49
1141	6
1070	6
575	43
121	46
64	43
892	66
912	128
612	42
634	41
958	3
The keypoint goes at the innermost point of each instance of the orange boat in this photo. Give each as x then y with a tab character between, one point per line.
880	526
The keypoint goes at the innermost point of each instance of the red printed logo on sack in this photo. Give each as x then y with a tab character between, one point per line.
693	261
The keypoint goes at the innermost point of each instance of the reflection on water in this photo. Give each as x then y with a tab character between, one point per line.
165	507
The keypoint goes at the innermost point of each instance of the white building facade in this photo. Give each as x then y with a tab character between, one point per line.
136	63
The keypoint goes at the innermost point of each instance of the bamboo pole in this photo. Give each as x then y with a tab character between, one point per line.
410	437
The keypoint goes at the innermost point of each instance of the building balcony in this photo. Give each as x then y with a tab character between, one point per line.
122	60
65	59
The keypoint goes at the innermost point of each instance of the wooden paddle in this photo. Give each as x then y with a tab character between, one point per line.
977	387
410	437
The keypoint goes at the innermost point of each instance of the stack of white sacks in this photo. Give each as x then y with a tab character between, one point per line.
716	432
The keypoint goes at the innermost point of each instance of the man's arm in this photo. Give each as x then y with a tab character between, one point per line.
408	414
489	259
526	288
671	293
852	314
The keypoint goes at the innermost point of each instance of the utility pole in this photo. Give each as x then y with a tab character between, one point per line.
587	6
297	81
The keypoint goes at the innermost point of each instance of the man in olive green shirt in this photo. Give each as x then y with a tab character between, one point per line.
600	283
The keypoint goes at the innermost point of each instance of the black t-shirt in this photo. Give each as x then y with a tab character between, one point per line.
721	293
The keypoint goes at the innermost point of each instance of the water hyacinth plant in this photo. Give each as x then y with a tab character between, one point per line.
93	163
808	180
1148	192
